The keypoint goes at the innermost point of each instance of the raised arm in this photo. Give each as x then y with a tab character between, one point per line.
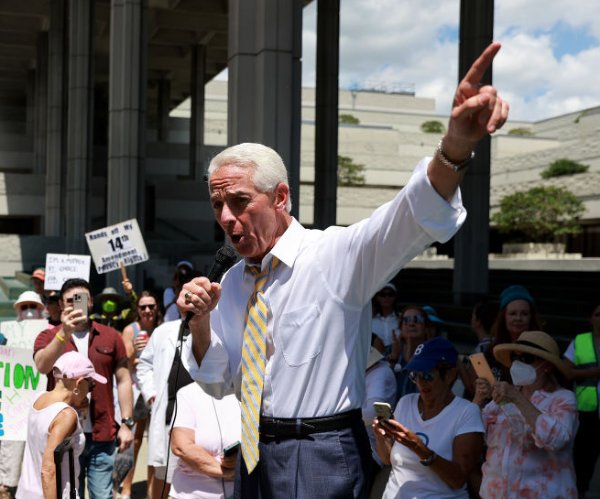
476	112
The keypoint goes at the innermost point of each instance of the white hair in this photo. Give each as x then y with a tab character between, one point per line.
269	170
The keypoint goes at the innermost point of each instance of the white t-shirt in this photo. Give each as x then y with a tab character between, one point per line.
409	478
384	327
217	424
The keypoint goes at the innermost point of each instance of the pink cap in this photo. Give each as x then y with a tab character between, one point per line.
73	365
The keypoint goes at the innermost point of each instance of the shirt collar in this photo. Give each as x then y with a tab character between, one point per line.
287	248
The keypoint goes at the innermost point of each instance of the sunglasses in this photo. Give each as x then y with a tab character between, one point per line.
386	294
415	319
414	376
526	358
27	307
149	307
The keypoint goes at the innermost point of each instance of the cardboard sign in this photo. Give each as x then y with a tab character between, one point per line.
120	242
20	384
59	268
22	334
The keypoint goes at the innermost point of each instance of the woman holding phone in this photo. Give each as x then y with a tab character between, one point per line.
435	439
204	436
530	424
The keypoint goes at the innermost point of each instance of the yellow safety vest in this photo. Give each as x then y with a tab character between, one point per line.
586	390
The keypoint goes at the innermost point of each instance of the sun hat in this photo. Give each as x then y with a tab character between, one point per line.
39	274
73	365
109	293
373	357
28	297
515	292
537	343
430	354
432	314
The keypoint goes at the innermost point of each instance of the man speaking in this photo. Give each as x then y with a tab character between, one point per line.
288	329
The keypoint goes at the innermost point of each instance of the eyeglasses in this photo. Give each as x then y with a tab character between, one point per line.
386	294
149	307
415	319
29	306
526	358
414	376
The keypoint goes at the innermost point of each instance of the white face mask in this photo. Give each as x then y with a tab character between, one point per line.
522	374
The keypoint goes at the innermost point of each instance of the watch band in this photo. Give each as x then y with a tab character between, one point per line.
427	461
457	167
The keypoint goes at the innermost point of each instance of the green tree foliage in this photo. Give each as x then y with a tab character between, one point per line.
541	214
522	132
562	167
349	119
349	172
432	126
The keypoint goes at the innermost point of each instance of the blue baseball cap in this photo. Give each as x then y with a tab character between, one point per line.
513	293
430	354
432	315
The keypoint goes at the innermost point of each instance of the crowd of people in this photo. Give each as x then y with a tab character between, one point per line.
298	375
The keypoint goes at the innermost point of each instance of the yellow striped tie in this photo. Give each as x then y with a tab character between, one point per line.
254	359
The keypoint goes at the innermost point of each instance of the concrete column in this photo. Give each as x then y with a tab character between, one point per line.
326	113
265	49
80	122
41	105
126	115
56	127
471	244
30	103
162	112
197	115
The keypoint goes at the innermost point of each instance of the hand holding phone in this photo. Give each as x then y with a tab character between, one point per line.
230	450
80	302
482	368
383	410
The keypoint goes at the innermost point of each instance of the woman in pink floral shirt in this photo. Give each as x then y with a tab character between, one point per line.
530	425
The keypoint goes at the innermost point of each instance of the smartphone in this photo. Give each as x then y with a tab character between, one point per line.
230	450
383	410
482	368
80	302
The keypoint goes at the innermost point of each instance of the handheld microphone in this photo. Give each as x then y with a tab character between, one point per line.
224	259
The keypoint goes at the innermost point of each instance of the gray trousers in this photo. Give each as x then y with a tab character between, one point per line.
329	465
11	458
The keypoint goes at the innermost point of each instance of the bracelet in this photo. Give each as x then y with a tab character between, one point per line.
60	338
453	166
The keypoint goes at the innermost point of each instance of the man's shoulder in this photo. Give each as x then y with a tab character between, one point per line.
46	336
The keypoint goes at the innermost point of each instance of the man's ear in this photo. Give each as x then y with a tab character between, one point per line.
281	196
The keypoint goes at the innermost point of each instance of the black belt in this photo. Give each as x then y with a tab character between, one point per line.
302	427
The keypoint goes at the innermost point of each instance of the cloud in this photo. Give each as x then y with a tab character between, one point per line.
541	70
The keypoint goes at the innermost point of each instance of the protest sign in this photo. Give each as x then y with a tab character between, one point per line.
22	334
119	242
20	384
59	268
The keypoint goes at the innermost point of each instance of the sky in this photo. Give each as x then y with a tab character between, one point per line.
549	63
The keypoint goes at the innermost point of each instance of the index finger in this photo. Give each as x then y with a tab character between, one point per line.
481	64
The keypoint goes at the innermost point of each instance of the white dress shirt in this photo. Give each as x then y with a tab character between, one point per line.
319	323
